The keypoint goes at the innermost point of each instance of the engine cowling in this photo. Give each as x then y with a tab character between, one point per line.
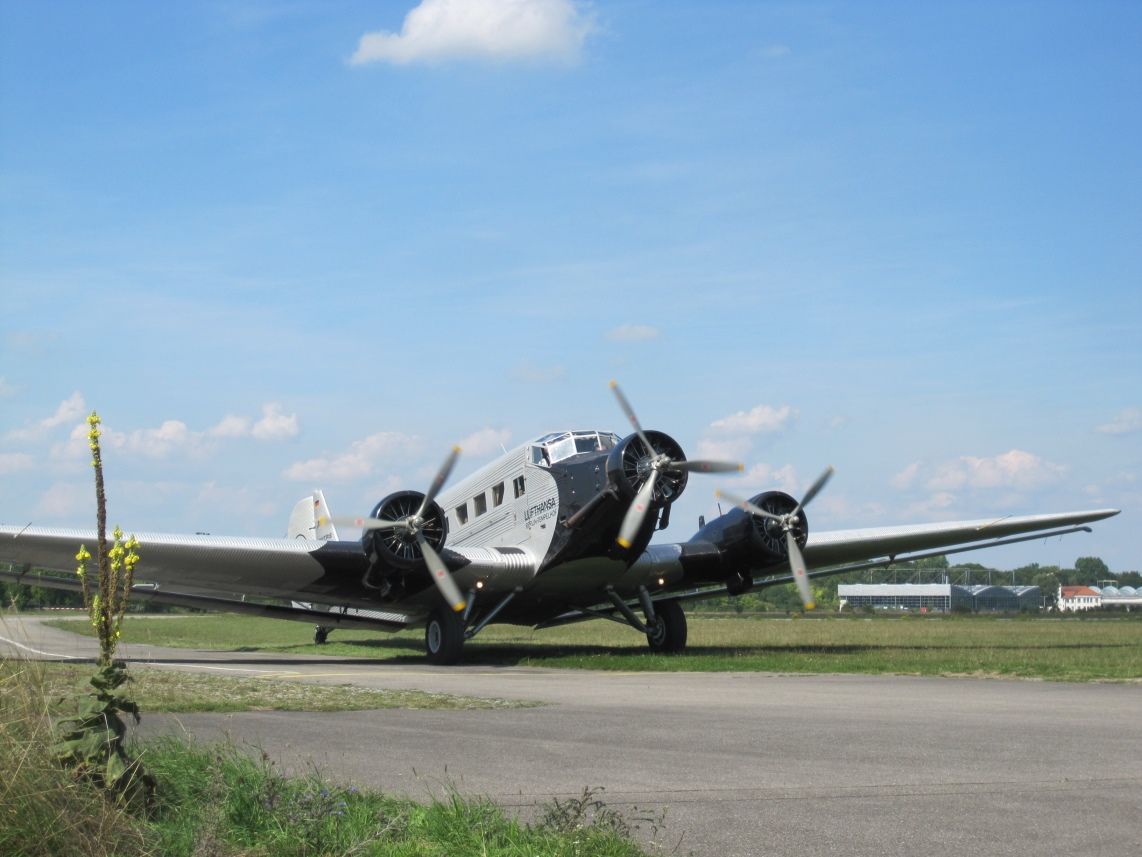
767	538
396	547
629	465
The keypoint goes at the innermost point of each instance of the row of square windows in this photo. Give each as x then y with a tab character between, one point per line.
480	501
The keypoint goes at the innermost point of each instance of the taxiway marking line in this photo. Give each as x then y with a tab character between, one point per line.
40	652
259	673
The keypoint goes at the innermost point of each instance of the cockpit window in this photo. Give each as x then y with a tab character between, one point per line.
560	445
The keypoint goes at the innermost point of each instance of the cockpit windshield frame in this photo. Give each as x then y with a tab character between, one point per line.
558	446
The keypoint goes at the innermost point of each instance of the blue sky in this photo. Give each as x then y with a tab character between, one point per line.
282	246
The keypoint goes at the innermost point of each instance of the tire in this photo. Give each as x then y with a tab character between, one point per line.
444	637
668	636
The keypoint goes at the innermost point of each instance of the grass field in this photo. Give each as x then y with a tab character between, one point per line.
1071	649
159	690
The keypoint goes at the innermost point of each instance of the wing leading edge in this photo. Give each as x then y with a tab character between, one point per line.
847	546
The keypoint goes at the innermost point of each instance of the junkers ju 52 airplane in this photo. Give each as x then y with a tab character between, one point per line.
555	531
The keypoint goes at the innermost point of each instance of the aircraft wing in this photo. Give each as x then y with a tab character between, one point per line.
218	572
841	551
847	546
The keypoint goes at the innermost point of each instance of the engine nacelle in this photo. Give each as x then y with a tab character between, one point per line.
767	538
629	466
746	545
396	549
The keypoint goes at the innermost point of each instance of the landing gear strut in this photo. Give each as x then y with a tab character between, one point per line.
447	630
665	626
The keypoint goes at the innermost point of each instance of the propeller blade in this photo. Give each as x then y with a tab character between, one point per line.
692	466
636	514
814	489
749	507
367	523
440	575
800	573
629	411
438	482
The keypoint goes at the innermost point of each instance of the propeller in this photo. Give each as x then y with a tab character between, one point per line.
413	527
659	463
788	523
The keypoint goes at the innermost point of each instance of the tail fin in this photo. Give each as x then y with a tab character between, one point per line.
310	520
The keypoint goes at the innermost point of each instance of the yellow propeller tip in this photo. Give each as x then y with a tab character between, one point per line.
459	606
810	606
623	543
456	448
741	467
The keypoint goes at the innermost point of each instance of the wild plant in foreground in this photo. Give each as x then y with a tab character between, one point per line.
92	739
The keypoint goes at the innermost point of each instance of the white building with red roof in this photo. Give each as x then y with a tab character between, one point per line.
1079	598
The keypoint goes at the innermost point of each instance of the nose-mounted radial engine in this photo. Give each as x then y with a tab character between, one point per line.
651	470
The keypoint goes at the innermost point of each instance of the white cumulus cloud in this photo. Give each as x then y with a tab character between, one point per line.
770	478
274	425
12	462
1127	422
907	476
230	426
361	459
71	408
1015	469
758	420
633	333
485	440
496	30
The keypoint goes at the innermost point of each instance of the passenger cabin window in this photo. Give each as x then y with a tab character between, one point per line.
462	513
480	503
517	484
498	494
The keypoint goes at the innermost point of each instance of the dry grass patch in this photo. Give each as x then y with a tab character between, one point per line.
167	690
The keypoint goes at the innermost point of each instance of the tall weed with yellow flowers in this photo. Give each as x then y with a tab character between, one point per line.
91	742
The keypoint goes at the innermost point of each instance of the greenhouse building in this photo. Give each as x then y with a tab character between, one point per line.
939	597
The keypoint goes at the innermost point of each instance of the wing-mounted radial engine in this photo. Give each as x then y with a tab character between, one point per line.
650	471
395	550
773	530
403	535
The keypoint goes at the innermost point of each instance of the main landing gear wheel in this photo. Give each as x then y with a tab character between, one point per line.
444	637
668	634
320	635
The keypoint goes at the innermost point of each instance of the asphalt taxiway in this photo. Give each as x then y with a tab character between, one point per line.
743	763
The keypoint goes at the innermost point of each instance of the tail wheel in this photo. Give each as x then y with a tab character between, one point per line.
668	635
444	637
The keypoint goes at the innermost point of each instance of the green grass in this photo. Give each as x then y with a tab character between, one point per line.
220	801
183	691
230	802
1070	649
